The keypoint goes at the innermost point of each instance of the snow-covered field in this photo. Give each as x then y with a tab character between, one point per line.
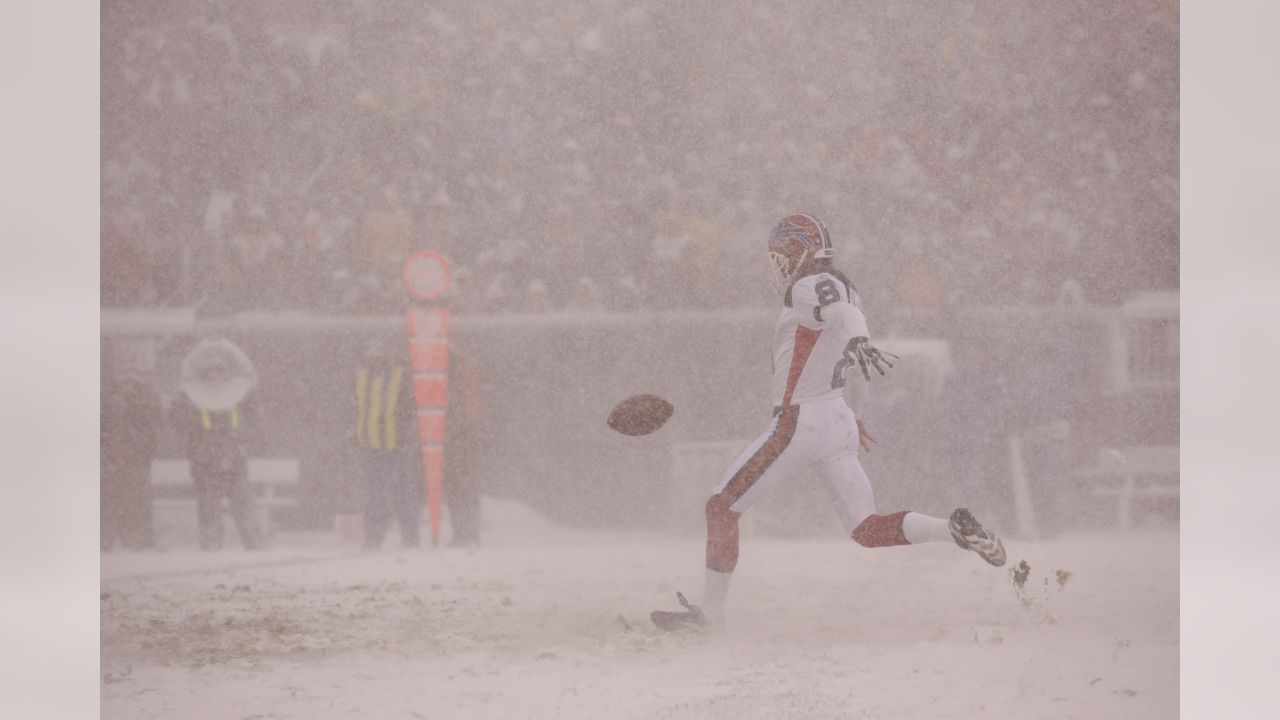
544	622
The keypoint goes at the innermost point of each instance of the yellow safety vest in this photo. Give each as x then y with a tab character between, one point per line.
207	421
376	399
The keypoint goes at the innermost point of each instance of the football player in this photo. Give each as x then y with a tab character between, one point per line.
817	420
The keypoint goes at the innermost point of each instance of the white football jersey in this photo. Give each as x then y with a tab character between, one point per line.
808	346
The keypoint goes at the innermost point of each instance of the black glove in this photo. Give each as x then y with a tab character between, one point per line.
860	351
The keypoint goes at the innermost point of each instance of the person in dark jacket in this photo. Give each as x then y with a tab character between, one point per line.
386	434
130	423
215	443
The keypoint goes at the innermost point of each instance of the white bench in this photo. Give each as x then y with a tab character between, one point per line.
273	482
1136	472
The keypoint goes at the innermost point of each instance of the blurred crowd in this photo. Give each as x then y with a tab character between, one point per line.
573	155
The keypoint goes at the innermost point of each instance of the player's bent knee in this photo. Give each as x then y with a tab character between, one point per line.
881	531
717	506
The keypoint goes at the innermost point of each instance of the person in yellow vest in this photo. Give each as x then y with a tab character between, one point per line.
215	442
386	434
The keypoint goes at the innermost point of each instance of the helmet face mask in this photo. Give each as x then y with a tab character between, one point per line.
780	271
795	241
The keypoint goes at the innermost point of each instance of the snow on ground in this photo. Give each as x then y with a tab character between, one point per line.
545	622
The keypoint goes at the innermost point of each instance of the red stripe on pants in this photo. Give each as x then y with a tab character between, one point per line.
760	461
722	523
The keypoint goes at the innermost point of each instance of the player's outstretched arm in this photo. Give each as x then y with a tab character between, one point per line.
856	390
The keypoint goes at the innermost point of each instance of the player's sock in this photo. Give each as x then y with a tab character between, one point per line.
920	528
900	528
715	591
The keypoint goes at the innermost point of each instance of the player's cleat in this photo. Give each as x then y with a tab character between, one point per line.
970	535
690	617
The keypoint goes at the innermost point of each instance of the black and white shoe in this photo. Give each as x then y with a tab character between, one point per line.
970	535
691	617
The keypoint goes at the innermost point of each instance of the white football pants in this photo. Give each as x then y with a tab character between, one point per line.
822	433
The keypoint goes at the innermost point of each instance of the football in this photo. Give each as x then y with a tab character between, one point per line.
640	414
